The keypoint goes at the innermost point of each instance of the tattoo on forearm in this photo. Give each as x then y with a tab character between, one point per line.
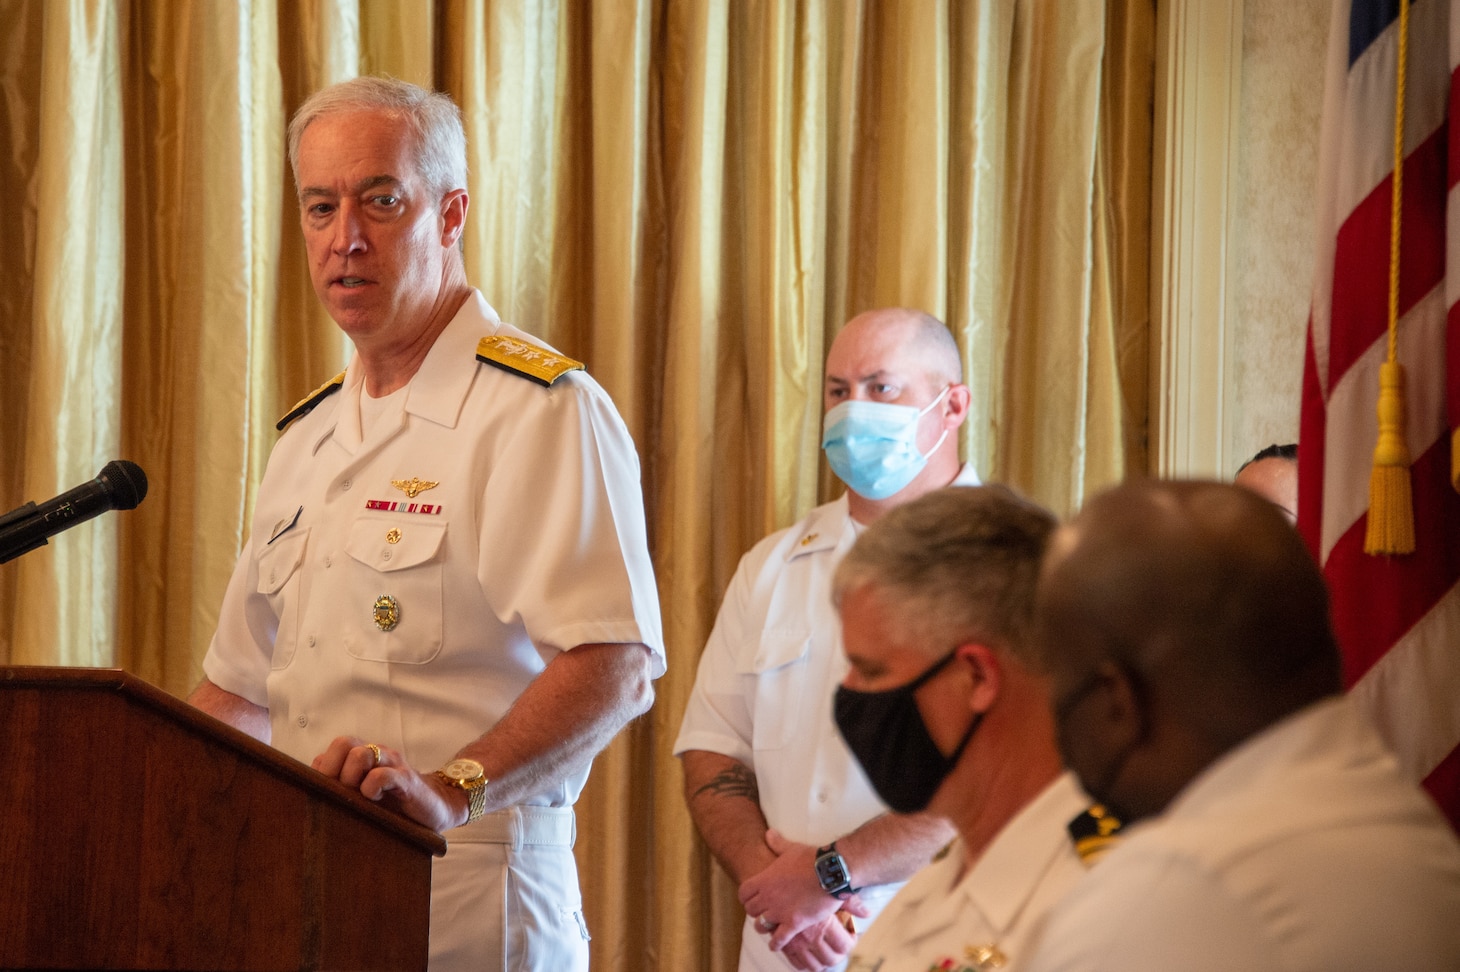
735	781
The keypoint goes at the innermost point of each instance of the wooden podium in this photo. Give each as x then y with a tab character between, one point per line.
138	833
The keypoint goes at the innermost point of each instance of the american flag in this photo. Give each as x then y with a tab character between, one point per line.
1397	617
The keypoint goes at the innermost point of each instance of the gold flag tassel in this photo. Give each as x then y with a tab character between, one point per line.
1391	505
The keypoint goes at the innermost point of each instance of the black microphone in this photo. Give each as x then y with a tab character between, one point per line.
120	485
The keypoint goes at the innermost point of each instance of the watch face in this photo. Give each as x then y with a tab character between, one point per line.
831	871
464	770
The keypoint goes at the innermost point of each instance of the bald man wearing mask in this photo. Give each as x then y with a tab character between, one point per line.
775	793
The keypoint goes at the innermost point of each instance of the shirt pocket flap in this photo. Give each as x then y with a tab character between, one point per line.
279	560
393	544
778	647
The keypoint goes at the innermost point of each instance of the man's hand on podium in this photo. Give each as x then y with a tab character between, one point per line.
381	775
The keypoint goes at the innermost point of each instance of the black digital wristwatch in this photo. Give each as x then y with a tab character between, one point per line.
831	871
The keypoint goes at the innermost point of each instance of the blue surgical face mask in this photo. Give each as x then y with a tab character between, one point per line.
873	446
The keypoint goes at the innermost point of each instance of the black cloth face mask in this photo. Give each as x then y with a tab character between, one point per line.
886	732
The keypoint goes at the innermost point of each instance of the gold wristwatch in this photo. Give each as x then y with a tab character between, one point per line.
471	776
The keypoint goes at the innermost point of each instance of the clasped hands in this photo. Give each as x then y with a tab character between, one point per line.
804	923
388	780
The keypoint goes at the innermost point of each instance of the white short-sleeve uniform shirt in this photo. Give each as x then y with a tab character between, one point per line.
763	693
502	519
944	915
1302	850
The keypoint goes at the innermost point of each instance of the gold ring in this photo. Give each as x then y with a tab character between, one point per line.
374	751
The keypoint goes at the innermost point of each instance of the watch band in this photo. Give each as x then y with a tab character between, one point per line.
476	794
476	799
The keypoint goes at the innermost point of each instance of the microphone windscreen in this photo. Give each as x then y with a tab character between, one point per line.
124	482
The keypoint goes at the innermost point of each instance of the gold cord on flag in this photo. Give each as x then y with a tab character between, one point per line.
1391	505
1455	460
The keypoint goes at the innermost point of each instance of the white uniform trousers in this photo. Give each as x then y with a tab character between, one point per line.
505	897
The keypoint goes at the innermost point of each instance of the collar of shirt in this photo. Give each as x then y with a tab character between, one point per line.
439	387
831	526
1292	760
1006	875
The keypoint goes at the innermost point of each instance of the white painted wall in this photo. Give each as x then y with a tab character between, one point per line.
1271	259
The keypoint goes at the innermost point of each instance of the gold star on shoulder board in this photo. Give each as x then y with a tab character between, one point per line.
413	486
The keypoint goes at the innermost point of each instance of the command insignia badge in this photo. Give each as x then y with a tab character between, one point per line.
386	612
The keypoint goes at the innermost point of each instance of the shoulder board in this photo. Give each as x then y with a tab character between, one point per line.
1094	833
307	403
526	359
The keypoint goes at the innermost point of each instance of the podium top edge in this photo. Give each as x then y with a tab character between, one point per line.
126	683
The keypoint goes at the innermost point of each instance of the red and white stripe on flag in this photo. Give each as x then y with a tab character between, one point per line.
1397	618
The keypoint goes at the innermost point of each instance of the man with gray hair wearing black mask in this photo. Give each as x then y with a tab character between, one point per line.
447	599
948	713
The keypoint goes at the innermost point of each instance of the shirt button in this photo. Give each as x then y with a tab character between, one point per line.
303	721
273	577
345	484
821	796
328	562
311	641
385	555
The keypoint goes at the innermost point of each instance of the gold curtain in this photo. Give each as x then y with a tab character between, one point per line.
690	195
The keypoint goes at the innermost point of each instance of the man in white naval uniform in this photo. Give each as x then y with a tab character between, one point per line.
1197	693
947	710
446	599
770	784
